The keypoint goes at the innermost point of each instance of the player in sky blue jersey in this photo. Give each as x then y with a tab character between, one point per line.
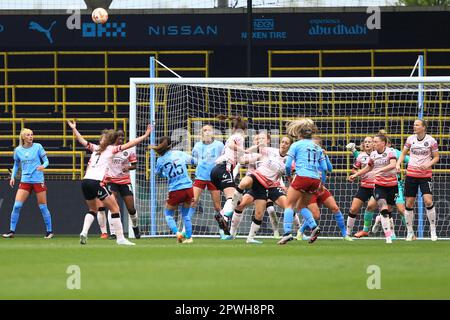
172	164
32	159
206	152
326	198
308	158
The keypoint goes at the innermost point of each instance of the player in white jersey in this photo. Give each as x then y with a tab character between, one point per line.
221	175
382	162
118	181
424	154
265	183
252	161
93	187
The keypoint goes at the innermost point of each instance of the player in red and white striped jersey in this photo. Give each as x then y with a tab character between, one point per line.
365	190
119	181
382	162
93	187
424	154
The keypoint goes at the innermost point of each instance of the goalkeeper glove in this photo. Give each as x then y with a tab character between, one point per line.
351	147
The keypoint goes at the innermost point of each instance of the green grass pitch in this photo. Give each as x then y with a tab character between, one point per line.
34	268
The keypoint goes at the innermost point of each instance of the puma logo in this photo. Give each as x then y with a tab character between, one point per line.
36	26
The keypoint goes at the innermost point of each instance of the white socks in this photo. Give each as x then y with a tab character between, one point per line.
273	218
386	223
409	217
235	222
391	222
228	208
350	224
134	220
431	214
118	228
111	226
254	228
88	219
101	219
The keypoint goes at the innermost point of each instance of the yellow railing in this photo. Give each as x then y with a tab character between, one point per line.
54	64
61	87
64	136
313	62
76	170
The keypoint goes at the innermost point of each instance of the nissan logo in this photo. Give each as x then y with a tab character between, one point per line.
1	28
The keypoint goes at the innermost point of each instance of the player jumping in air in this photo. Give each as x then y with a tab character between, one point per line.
119	183
93	187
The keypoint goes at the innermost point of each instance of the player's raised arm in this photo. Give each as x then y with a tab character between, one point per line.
73	126
138	140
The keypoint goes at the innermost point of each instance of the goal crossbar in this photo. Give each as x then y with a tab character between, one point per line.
290	80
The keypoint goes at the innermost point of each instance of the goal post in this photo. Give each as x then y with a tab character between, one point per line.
346	109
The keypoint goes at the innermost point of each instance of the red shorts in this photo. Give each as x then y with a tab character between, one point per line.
202	184
306	184
320	196
180	196
37	187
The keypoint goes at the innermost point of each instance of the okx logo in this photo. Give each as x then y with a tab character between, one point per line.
46	31
107	30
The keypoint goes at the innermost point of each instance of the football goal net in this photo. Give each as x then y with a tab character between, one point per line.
344	109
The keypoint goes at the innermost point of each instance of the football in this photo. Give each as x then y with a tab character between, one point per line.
99	15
